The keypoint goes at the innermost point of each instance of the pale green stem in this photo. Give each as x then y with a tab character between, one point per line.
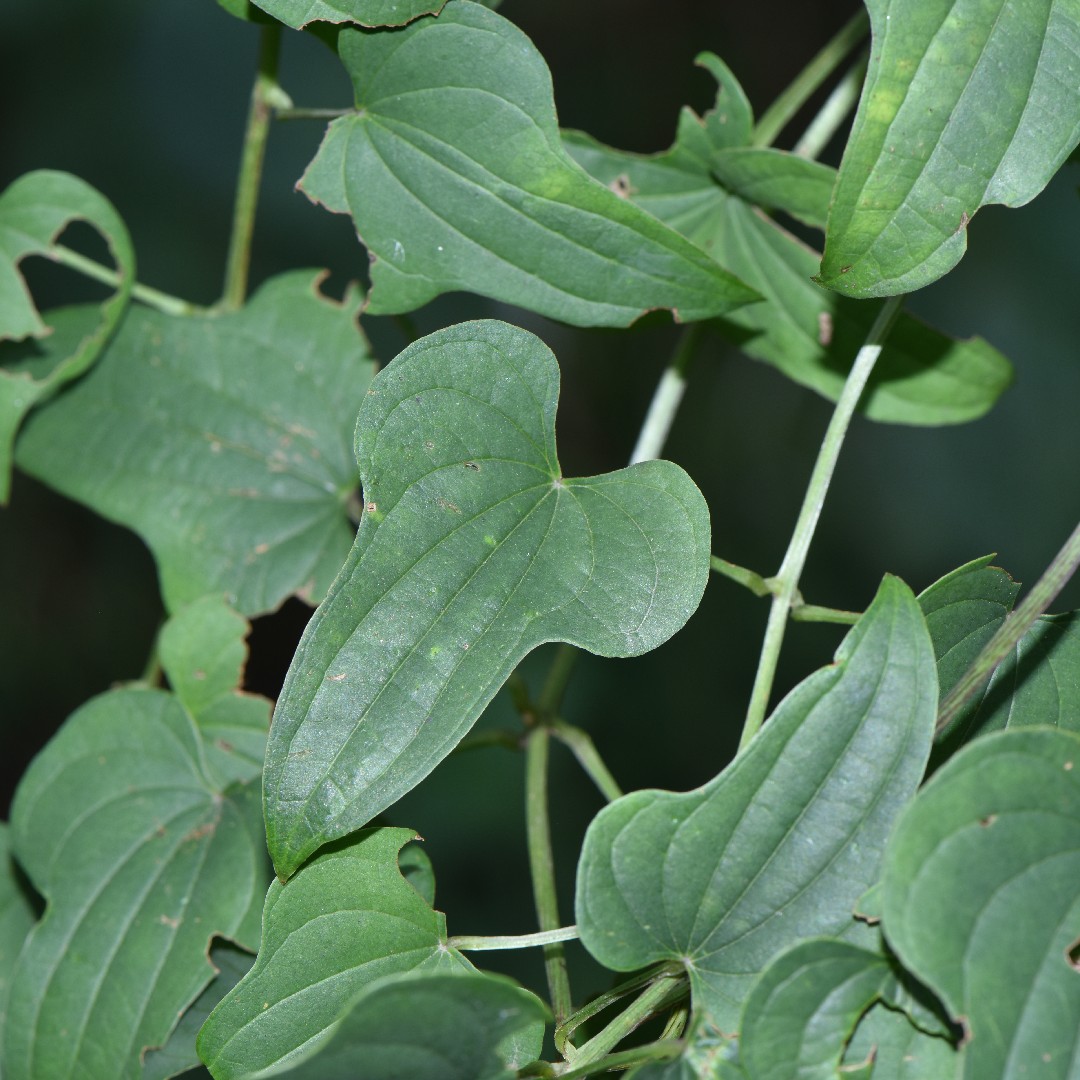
777	116
666	398
759	586
170	305
311	114
658	1051
813	613
1016	624
476	943
542	867
739	574
263	94
551	694
795	558
833	113
584	749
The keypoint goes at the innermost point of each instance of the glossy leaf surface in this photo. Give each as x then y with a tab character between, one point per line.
473	550
780	846
455	177
346	919
34	210
1038	684
808	333
224	441
981	900
966	103
141	861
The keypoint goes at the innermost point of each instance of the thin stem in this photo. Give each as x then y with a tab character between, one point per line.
263	94
795	558
813	613
551	694
833	113
542	867
739	574
759	586
478	943
779	113
1041	596
508	740
665	1050
666	398
170	305
292	113
588	757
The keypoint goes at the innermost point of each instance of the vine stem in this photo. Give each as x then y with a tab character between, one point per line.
1042	595
787	579
777	116
666	1050
832	114
666	398
264	93
480	943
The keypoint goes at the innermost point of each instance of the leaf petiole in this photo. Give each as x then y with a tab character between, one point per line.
481	943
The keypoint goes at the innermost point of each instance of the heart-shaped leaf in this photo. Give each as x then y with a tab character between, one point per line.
141	861
781	845
887	1046
473	550
455	177
223	440
981	899
808	333
966	103
34	210
344	920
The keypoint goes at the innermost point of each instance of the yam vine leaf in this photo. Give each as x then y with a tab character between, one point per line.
455	177
966	103
779	846
223	440
702	187
887	1046
980	899
473	549
298	13
34	210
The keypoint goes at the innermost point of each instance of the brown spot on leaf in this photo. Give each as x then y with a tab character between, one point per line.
988	820
1072	955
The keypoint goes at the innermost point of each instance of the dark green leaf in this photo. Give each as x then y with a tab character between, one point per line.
777	180
780	846
298	13
141	861
421	1026
344	920
34	210
891	1048
417	870
1038	684
224	441
708	1055
802	1011
808	333
981	900
17	916
473	550
966	103
455	177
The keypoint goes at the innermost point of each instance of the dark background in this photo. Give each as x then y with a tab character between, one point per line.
147	101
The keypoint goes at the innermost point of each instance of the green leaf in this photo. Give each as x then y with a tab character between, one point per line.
421	1026
233	724
780	846
981	899
345	919
179	1055
473	550
777	180
455	177
34	210
298	13
141	861
1038	684
808	333
891	1048
966	103
17	916
708	1055
800	1014
223	440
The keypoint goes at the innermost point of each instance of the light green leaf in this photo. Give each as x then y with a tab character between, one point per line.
731	121
179	1055
345	919
141	861
981	899
34	210
708	1055
455	177
473	550
1038	684
889	1047
808	333
298	13
421	1026
17	916
780	846
801	1012
777	180
233	724
966	103
223	440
